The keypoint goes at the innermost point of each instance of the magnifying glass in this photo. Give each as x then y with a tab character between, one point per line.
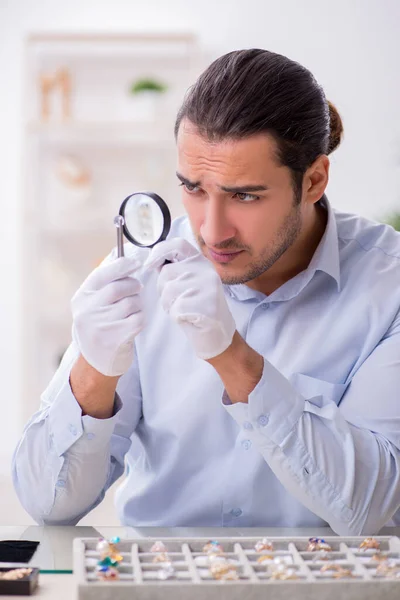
144	219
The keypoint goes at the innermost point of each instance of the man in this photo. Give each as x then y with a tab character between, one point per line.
259	386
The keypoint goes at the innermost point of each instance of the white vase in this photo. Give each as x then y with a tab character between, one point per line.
144	105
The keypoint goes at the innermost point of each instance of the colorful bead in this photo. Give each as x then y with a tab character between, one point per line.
158	547
115	540
167	572
161	557
315	544
264	558
213	547
369	543
264	544
107	574
282	571
107	566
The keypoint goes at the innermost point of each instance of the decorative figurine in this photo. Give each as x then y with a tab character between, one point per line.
48	83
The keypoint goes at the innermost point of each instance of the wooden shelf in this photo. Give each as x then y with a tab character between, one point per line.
136	134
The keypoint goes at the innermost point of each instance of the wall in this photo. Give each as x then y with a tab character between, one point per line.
352	46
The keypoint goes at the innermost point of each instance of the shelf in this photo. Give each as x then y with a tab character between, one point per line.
116	142
135	134
179	45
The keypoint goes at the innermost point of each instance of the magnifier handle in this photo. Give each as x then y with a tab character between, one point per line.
120	247
119	222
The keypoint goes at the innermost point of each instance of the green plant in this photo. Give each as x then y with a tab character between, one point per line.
393	219
147	84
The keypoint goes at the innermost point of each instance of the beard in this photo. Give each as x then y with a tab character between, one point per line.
284	239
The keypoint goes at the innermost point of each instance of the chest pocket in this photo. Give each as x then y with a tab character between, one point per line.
318	391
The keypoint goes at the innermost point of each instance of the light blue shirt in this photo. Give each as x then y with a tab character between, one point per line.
318	442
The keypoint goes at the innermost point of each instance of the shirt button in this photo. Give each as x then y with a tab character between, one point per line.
246	444
90	436
262	420
264	306
72	429
247	425
60	483
236	512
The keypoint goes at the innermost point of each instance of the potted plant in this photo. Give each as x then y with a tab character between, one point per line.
393	219
146	92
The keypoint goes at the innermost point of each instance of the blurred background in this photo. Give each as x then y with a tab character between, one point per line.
89	92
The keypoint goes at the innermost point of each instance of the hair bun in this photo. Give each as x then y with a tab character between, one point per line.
336	128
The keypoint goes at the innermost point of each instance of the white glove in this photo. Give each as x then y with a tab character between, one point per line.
107	313
192	294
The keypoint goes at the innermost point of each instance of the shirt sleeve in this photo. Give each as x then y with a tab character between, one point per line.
65	462
335	447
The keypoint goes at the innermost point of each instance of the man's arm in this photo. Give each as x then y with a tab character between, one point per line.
73	448
342	462
65	461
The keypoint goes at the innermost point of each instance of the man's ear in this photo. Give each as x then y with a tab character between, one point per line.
316	179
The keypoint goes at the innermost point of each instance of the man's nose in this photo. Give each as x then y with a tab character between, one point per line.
216	227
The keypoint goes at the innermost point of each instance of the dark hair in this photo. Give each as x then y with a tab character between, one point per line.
253	91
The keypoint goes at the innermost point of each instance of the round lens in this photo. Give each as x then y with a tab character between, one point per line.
147	218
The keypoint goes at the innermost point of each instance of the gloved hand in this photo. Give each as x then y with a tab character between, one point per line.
192	294
107	313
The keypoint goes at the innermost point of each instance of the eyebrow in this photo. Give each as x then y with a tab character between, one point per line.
232	190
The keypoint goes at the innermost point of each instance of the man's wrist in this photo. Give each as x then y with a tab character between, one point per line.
240	368
93	391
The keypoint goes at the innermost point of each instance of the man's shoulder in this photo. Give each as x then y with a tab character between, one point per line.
370	237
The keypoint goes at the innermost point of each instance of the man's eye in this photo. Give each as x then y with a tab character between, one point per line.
246	197
189	187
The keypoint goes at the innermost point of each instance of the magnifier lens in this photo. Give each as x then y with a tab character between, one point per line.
146	219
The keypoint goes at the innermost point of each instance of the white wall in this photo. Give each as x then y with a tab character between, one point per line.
352	46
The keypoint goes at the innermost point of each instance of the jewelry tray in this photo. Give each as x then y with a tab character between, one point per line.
18	587
139	574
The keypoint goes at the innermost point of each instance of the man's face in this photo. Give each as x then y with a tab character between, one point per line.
239	200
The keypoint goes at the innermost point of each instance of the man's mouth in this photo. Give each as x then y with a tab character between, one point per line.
223	257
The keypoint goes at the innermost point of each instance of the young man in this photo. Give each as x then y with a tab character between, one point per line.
260	384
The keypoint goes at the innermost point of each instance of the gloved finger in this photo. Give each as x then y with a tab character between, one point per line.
134	323
116	290
187	317
174	250
172	272
112	271
125	307
176	293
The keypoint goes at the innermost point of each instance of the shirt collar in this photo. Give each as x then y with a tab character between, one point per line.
326	259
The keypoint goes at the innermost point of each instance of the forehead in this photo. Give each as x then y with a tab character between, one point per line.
250	155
